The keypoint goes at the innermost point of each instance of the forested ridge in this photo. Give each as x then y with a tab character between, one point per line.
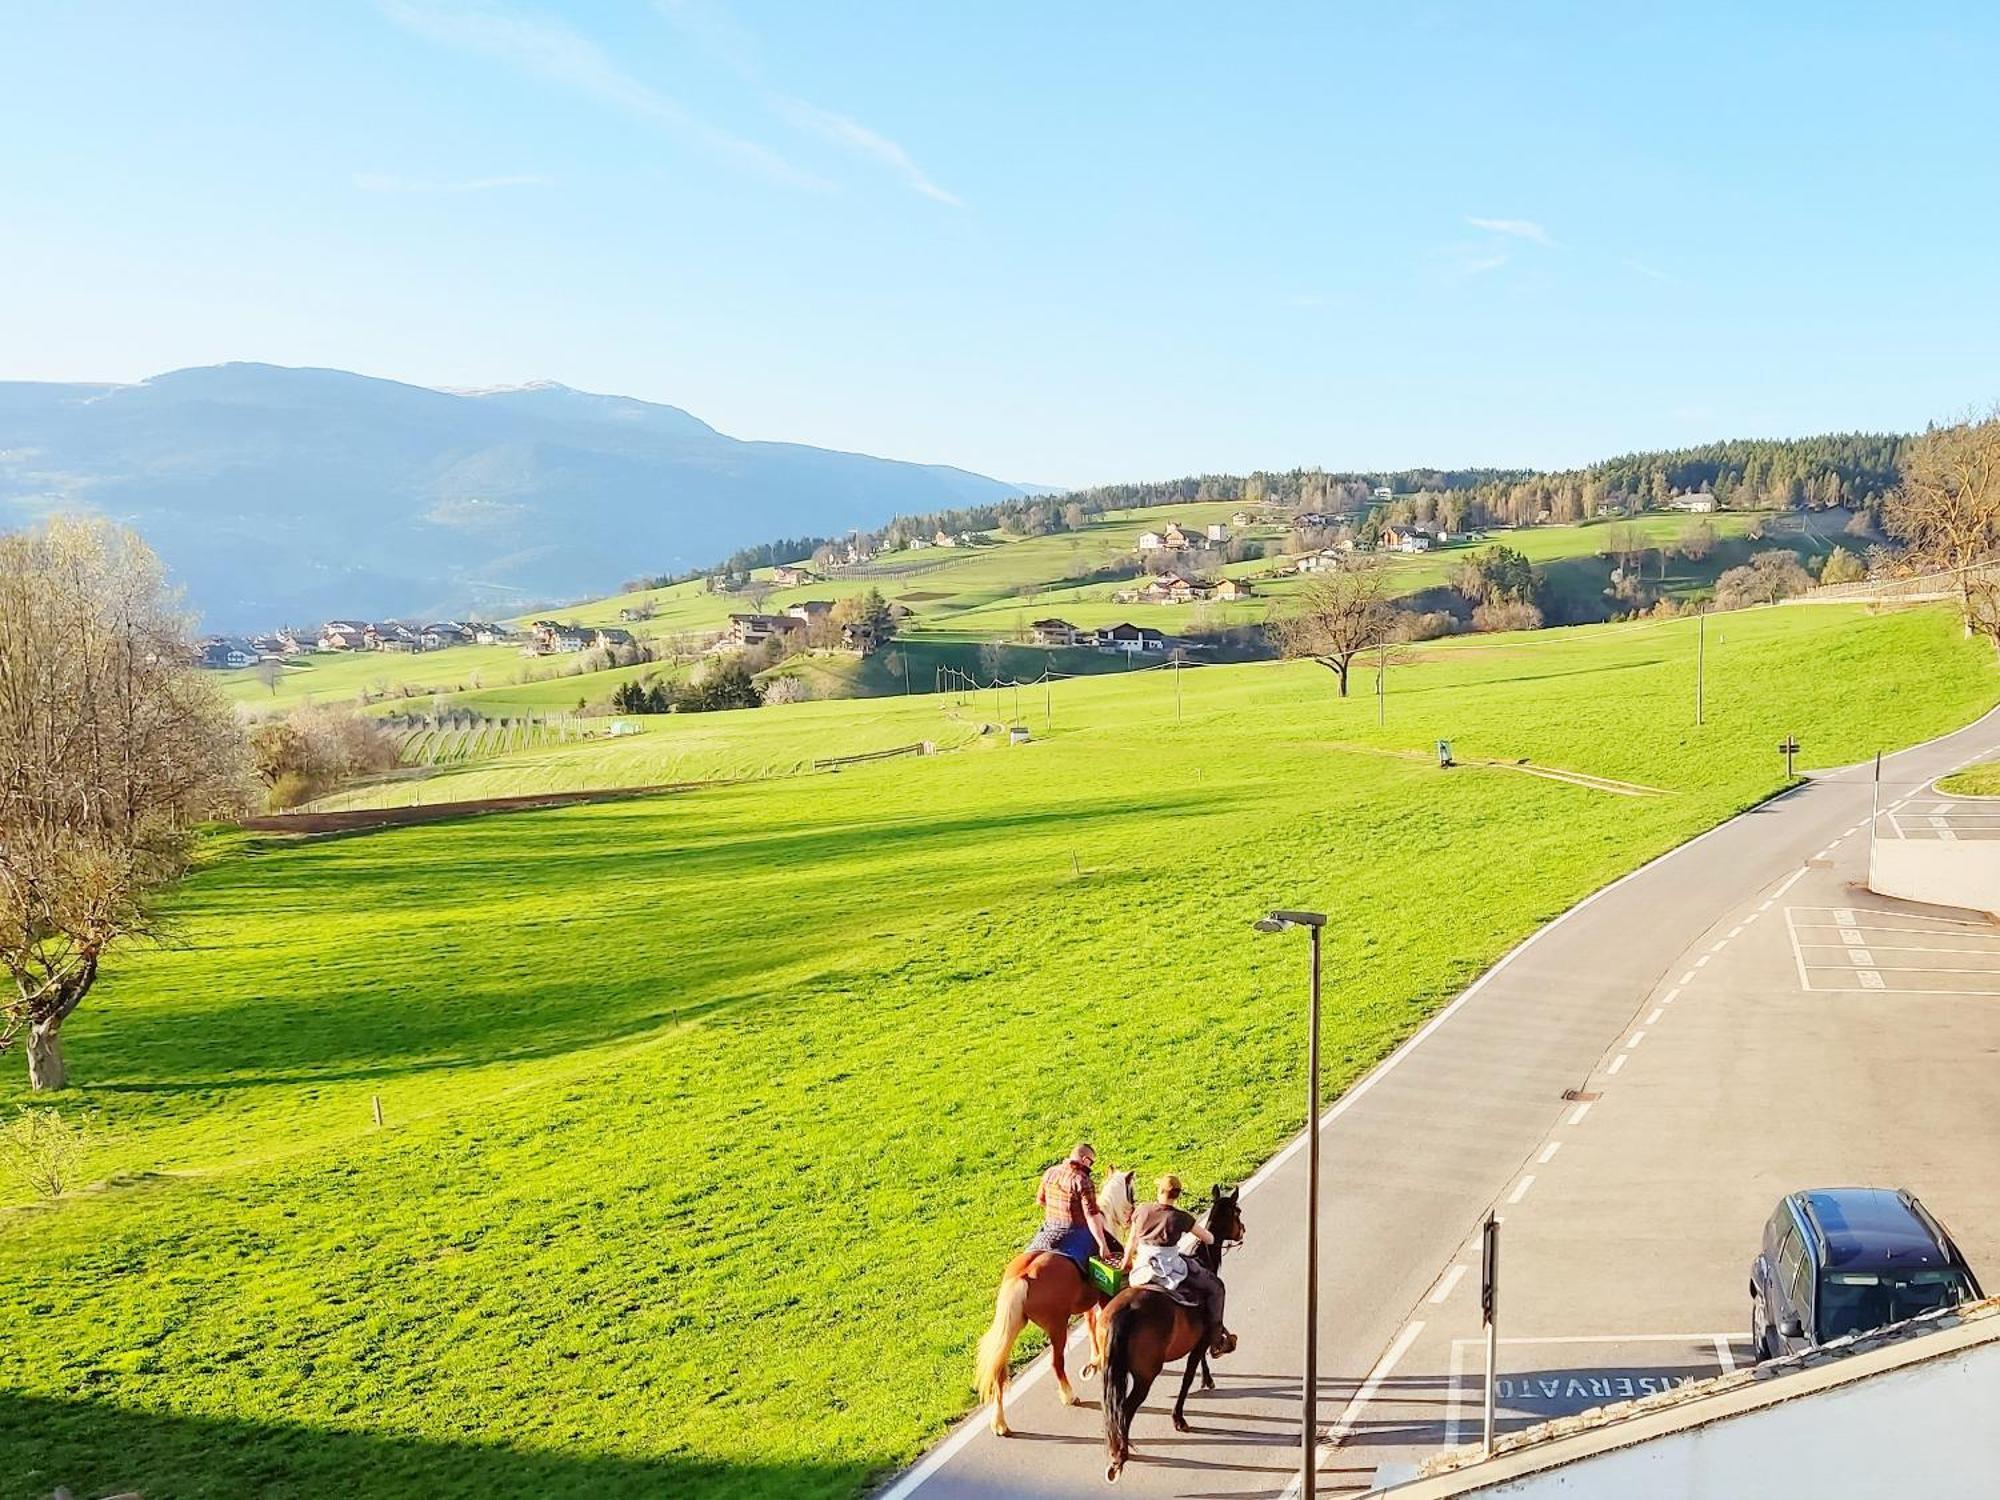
1855	470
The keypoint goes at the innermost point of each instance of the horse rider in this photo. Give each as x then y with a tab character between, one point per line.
1161	1253
1071	1220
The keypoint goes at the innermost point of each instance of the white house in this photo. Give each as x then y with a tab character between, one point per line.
1151	541
1217	532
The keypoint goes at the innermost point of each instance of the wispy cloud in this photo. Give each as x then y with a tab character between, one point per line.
1652	272
1520	229
718	33
851	133
549	50
389	182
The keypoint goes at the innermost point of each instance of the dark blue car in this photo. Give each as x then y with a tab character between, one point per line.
1845	1260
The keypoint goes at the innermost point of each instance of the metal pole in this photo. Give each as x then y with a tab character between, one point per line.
1177	692
1874	811
1700	659
1491	1277
1310	1401
1381	684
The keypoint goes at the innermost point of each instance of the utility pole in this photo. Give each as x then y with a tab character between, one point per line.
1489	1312
1381	683
1700	658
1789	747
1177	690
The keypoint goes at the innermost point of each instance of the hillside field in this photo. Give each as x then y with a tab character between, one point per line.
989	591
711	1118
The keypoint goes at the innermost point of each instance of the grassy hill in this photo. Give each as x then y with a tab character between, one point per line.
963	597
711	1118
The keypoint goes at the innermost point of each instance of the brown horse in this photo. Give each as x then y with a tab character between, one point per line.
1046	1288
1145	1330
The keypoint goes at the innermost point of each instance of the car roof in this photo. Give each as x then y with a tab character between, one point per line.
1872	1229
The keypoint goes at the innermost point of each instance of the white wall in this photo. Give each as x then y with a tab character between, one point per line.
1925	1429
1943	872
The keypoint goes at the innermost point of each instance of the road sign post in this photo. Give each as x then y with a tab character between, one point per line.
1788	747
1489	1313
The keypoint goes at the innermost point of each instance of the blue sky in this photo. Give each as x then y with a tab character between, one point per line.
1058	243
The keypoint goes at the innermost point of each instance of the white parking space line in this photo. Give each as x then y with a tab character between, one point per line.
1451	1279
1724	1355
1654	1018
1844	916
1521	1188
1637	1037
1748	920
1870	980
1576	1115
1687	978
1617	1063
1384	1367
1702	962
1548	1153
1671	995
1719	944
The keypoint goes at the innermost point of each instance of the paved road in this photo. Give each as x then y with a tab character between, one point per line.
1713	1005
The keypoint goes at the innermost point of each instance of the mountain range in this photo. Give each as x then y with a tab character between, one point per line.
279	495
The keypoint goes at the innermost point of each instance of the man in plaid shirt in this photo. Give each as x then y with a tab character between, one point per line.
1071	1222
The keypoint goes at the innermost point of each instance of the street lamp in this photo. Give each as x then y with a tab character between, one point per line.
1312	921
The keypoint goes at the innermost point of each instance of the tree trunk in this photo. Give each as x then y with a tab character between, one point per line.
1340	666
45	1060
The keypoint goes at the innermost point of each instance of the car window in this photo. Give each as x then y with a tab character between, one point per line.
1856	1301
1793	1274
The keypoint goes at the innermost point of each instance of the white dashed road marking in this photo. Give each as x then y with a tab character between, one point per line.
1451	1279
1520	1189
1548	1153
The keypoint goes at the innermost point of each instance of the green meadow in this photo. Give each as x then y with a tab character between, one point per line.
963	596
711	1118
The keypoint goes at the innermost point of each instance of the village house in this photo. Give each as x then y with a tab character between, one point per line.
1151	541
1053	632
1217	532
1233	588
746	631
441	633
944	539
394	635
1697	504
1131	639
1171	588
608	638
1240	518
344	635
1383	494
221	652
789	576
810	610
858	554
1407	539
1326	560
486	633
1311	520
1178	536
918	543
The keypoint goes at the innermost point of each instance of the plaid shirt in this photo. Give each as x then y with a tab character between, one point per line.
1066	1194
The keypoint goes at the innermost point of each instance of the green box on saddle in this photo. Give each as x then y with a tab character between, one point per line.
1106	1278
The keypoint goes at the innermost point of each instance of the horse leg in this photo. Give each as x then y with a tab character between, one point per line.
1207	1380
1095	1360
1058	1333
1187	1379
1141	1385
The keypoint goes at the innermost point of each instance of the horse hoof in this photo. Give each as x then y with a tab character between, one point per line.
1001	1429
1181	1425
1207	1384
1111	1471
1068	1396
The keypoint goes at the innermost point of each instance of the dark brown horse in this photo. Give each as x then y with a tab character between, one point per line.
1145	1330
1046	1288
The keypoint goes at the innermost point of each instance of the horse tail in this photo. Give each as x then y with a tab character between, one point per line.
1010	1316
1116	1382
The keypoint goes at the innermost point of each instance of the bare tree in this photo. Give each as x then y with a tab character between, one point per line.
1948	512
758	592
270	674
111	746
1341	614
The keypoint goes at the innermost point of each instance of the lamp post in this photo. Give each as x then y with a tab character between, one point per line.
1312	921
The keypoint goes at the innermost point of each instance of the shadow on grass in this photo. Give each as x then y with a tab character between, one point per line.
93	1448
